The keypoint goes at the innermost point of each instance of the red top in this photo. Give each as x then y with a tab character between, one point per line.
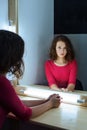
10	102
61	75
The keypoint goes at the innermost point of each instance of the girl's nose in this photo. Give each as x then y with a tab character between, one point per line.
62	50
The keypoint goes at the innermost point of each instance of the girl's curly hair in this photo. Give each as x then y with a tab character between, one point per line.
70	50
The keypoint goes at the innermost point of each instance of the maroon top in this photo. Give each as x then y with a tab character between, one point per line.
10	102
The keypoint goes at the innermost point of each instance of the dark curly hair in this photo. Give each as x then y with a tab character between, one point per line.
70	51
11	53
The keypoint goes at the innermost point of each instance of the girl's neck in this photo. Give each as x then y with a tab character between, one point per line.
60	61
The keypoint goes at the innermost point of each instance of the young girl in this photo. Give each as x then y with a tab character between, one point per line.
11	53
61	69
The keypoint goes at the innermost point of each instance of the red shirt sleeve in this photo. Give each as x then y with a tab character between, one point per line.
11	102
50	78
73	72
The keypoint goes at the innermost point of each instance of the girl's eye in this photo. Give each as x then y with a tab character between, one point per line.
59	47
65	48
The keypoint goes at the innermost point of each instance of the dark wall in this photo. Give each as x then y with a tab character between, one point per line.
70	16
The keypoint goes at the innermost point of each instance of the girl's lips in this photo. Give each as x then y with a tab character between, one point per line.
62	54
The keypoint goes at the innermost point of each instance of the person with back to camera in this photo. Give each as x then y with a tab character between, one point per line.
11	53
61	68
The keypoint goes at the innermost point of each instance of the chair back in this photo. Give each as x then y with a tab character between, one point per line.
78	85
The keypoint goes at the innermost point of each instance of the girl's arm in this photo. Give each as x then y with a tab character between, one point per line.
54	87
50	77
11	102
72	77
31	103
52	102
70	87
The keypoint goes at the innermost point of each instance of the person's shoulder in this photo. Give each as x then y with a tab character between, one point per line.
73	63
48	62
2	78
3	81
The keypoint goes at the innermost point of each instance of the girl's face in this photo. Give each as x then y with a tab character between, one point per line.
61	49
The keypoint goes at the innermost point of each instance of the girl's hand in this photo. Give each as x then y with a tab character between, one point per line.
55	100
66	90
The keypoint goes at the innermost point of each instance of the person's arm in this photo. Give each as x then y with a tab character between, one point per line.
50	77
31	103
72	77
39	107
53	102
70	87
12	103
54	87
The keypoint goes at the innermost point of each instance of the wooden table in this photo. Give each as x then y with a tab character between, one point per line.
67	116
